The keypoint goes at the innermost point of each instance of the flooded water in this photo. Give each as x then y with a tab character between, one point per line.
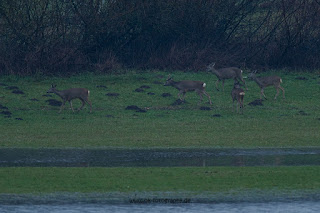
158	157
288	207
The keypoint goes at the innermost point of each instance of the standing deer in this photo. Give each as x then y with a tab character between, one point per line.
70	94
185	86
237	94
267	81
226	73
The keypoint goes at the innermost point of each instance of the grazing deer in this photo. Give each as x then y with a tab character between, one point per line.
185	86
237	94
226	73
267	81
70	94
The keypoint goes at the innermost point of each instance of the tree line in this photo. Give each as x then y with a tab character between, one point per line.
69	36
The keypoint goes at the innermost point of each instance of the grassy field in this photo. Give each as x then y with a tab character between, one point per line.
293	122
102	180
33	123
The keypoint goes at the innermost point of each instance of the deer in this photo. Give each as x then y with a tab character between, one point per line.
237	94
186	86
70	94
267	81
226	73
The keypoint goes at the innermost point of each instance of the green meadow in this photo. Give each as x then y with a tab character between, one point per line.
290	122
293	122
180	179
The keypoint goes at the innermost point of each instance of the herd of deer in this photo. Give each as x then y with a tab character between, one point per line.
222	74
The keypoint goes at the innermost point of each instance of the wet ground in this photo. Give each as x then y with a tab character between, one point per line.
290	207
158	157
234	201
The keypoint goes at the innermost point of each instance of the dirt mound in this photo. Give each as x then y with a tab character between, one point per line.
257	102
17	92
205	108
12	88
112	94
178	102
135	108
166	95
54	102
216	116
3	107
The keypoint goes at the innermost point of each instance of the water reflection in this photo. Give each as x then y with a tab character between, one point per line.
288	207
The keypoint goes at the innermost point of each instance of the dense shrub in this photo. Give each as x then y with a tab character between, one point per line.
68	36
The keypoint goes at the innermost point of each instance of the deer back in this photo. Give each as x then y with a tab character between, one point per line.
185	85
190	85
269	80
75	93
230	72
226	73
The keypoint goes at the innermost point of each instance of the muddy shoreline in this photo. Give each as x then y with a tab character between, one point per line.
14	157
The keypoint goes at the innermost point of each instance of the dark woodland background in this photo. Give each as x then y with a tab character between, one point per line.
62	37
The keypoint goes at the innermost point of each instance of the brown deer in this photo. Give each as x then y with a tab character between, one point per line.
70	94
237	94
226	73
186	86
267	81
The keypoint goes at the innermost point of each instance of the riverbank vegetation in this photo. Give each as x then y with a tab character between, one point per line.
56	37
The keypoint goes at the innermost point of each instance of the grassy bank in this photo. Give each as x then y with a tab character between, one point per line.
218	179
293	122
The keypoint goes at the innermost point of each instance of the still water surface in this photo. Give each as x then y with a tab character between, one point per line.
158	157
288	207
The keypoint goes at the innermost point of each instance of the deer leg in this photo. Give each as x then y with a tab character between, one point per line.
223	85
71	105
183	95
237	106
232	105
245	85
217	84
206	94
275	97
62	106
282	91
83	102
179	95
200	94
262	93
89	102
241	104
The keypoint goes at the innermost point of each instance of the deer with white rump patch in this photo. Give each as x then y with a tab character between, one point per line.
226	73
237	94
186	86
267	81
70	94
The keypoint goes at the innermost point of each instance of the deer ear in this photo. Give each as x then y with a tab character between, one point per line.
211	65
